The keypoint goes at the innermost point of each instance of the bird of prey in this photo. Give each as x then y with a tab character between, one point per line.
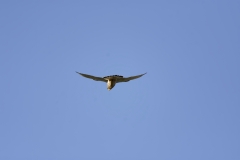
111	80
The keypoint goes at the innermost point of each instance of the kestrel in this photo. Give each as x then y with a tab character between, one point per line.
111	80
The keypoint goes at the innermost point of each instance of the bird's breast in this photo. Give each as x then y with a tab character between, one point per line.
111	83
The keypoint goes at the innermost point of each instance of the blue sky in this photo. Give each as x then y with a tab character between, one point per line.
185	107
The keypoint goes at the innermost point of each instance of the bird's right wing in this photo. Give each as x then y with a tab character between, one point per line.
93	77
129	78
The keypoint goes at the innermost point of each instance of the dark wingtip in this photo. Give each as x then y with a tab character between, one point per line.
77	72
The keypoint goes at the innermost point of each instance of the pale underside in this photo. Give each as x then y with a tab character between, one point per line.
111	80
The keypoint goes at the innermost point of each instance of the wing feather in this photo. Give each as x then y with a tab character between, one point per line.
92	77
129	78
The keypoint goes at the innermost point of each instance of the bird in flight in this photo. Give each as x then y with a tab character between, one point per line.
111	80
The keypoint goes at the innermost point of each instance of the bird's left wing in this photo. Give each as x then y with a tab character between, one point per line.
129	78
93	77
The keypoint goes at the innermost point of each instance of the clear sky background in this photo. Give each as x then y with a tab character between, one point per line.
185	108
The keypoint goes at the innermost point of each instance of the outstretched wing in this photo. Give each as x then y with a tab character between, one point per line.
126	79
93	77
